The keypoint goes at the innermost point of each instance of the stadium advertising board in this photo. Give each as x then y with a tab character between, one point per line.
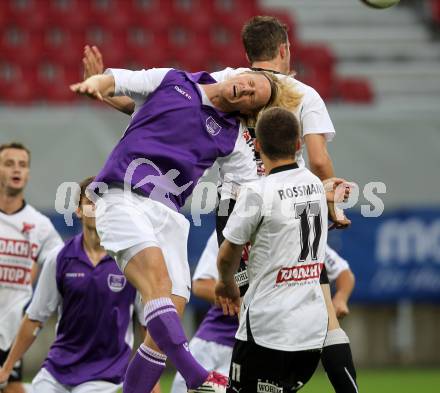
395	256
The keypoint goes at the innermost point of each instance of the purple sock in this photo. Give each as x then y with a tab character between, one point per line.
165	328
144	371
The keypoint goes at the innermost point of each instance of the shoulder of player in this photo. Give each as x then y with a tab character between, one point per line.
31	213
65	252
52	258
308	174
255	187
304	175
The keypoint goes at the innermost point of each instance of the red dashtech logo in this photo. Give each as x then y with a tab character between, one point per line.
27	227
15	275
299	273
17	248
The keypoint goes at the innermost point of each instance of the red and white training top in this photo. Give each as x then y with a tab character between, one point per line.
26	236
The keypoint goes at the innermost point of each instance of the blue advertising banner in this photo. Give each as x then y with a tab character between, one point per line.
394	257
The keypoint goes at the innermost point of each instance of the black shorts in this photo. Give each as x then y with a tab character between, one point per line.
256	369
17	371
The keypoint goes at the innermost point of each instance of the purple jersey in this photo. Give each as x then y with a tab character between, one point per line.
171	140
218	328
97	305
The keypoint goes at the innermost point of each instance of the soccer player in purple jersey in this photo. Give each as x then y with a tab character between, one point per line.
95	302
182	125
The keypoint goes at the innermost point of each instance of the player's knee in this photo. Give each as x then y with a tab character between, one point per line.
164	285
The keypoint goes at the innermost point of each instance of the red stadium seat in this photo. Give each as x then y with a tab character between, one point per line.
195	59
20	44
233	14
62	45
112	14
144	48
16	84
234	57
435	10
196	15
315	66
110	42
71	14
182	40
53	80
32	13
354	90
154	15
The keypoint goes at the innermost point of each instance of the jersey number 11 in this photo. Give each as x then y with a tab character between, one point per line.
302	212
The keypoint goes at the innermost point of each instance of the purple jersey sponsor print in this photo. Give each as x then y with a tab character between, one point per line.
96	311
171	141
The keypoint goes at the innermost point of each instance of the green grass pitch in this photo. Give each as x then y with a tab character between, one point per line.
394	380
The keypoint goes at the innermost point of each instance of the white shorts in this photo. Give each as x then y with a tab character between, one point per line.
210	355
44	382
127	223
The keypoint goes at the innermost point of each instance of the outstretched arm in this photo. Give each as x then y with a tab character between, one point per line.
94	65
26	336
96	87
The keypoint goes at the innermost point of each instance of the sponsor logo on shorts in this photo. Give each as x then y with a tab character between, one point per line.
241	278
299	273
212	126
116	282
267	387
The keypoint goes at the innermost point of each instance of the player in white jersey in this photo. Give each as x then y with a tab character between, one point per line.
26	238
283	317
267	47
213	342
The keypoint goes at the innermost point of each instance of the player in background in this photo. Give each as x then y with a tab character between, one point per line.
95	303
213	342
26	238
283	316
181	128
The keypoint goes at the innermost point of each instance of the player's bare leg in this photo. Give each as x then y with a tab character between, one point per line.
336	355
147	271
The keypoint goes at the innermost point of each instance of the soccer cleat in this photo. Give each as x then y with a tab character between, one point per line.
215	383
